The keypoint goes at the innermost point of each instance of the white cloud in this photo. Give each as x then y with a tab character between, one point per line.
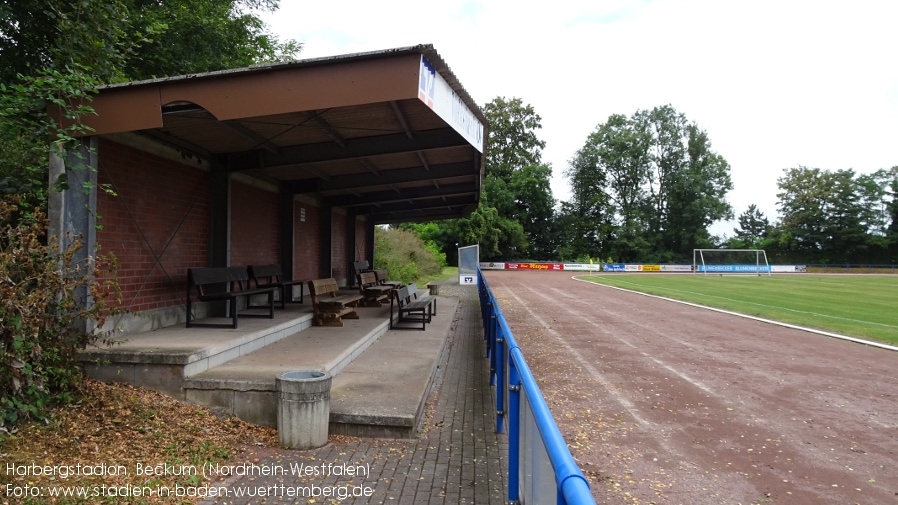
776	84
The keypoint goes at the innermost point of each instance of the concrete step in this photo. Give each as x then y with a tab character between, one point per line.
381	377
245	386
162	359
383	392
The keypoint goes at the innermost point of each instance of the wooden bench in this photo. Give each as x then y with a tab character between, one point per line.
224	284
373	292
330	306
412	309
269	276
417	295
382	279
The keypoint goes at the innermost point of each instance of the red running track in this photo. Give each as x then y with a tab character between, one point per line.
666	403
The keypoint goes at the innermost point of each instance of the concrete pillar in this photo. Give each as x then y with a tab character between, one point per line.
73	211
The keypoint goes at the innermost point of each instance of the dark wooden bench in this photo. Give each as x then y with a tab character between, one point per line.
329	305
270	276
373	292
382	279
419	296
411	308
225	284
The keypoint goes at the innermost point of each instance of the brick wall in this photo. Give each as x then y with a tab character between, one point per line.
255	235
157	225
339	269
360	242
307	260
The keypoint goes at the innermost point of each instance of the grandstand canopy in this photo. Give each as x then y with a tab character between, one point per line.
389	134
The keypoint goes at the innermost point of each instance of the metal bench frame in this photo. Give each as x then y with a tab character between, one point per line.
411	309
267	276
224	284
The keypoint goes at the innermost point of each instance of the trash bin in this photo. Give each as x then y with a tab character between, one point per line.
304	404
434	289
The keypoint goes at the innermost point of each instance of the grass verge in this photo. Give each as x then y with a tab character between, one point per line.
858	306
448	273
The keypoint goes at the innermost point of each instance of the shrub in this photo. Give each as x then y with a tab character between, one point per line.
46	298
404	255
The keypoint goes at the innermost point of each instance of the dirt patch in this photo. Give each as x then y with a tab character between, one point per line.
665	403
97	443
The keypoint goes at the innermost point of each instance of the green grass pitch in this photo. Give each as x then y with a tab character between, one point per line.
857	306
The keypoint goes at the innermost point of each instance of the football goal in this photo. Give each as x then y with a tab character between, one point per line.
730	262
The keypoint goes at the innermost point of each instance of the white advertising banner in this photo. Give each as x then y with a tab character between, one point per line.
584	267
434	91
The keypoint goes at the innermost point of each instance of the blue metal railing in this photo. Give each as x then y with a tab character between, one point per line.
535	445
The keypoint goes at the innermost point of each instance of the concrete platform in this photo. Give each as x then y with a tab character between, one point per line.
456	456
381	376
382	393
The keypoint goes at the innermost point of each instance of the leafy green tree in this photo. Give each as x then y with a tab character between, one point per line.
892	211
135	39
513	143
753	227
654	184
831	216
583	220
534	209
515	215
688	183
202	36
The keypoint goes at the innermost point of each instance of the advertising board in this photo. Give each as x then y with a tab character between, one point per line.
434	91
676	268
733	268
582	267
533	266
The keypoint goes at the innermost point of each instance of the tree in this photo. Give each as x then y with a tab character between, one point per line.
753	227
135	39
513	143
825	214
585	219
515	214
201	36
653	181
534	208
892	211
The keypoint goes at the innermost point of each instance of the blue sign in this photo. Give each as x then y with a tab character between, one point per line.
733	268
615	267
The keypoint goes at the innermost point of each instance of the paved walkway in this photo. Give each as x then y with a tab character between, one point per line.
456	458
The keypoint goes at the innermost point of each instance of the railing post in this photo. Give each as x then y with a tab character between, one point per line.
494	337
514	430
500	382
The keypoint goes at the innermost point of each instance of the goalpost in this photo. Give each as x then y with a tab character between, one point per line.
730	262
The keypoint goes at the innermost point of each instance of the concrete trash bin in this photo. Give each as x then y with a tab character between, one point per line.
304	404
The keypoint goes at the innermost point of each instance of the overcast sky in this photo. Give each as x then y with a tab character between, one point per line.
776	84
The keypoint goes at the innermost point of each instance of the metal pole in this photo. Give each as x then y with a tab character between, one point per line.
514	430
500	381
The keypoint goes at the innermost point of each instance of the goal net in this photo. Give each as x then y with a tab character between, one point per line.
730	262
